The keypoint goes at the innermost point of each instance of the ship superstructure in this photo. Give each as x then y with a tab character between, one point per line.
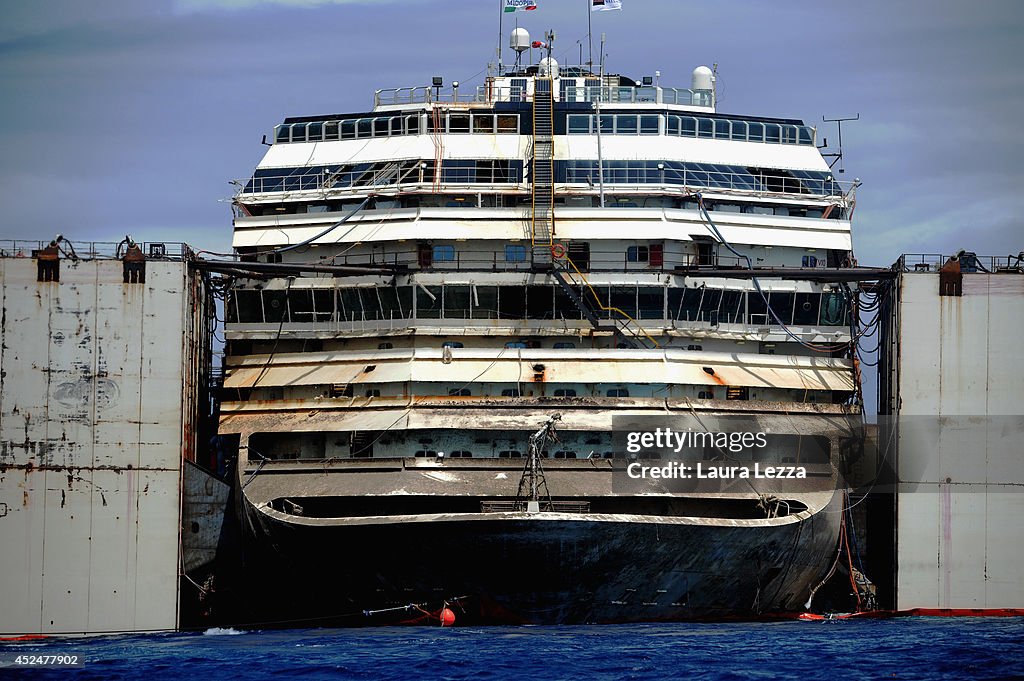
424	284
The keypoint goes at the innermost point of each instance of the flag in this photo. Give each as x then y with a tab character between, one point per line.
516	5
605	5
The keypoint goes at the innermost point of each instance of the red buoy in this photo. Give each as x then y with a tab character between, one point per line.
447	617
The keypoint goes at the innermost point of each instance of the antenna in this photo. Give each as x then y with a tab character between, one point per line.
837	156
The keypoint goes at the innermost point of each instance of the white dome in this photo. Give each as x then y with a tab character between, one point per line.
703	79
520	40
548	67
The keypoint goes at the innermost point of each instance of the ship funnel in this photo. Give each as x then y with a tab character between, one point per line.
520	40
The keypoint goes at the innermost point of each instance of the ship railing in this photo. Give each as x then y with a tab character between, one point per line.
488	94
515	257
642	178
969	262
641	94
94	250
394	175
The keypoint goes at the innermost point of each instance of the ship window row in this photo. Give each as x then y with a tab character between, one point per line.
509	171
690	126
384	173
711	175
397	125
784	448
541	302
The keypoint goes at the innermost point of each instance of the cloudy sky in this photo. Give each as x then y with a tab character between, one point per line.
119	116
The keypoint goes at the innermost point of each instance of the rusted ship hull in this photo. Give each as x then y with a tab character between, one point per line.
546	568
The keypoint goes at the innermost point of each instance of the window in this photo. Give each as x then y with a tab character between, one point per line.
565	392
809	261
578	124
625	125
563	454
444	253
650	302
705	395
806	309
649	125
483	123
456	302
515	253
516	344
510	454
461	454
373	393
452	344
563	345
511	392
637	254
425	452
428	302
385	346
617	392
508	123
459	392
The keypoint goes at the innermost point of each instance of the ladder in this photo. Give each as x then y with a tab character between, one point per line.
542	175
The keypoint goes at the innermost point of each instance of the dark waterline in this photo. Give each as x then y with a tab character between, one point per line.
911	648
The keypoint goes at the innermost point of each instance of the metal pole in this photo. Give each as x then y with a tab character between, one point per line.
590	38
501	14
600	158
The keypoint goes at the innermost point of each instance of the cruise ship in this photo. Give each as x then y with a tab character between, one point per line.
447	307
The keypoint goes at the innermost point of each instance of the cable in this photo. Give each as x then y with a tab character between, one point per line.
327	231
706	216
277	338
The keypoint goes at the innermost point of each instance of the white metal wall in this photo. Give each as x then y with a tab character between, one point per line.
960	538
90	447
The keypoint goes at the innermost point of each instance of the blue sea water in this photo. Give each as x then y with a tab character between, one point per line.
908	648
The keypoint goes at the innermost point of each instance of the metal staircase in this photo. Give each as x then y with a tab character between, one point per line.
542	175
625	329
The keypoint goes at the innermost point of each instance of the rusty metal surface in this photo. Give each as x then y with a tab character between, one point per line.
462	365
501	414
203	508
960	542
91	439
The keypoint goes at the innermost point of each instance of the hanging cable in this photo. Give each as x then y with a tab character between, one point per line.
327	231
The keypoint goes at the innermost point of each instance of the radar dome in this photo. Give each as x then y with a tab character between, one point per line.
703	79
520	40
548	67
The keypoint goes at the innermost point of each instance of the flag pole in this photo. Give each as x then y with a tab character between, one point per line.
590	36
501	13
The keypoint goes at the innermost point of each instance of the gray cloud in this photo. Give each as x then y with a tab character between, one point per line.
120	116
